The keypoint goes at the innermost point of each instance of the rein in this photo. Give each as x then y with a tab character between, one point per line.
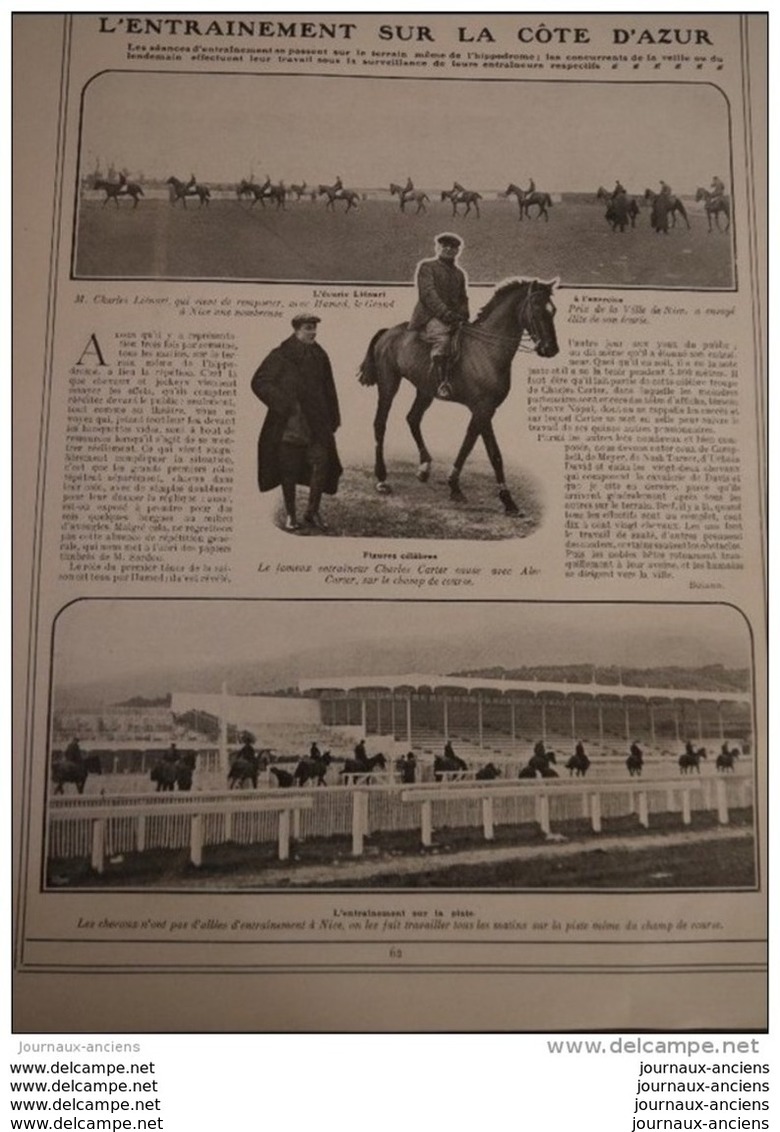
489	335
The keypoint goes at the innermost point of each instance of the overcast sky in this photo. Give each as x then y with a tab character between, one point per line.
103	640
567	136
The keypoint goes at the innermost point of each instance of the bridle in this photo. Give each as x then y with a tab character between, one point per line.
527	316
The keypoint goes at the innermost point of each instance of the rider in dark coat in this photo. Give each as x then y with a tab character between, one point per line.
442	306
297	442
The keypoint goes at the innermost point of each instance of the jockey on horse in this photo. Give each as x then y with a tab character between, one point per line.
442	307
718	189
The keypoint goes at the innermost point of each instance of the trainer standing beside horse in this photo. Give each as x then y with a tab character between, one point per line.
442	306
297	443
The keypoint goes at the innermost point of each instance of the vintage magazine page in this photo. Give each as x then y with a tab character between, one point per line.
390	590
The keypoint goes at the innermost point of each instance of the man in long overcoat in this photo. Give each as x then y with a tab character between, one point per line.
442	306
297	443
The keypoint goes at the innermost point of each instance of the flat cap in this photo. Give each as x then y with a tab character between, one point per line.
304	317
449	240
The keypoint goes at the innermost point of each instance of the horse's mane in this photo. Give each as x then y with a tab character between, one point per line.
501	292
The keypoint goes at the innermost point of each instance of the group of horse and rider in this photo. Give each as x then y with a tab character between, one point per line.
665	205
439	350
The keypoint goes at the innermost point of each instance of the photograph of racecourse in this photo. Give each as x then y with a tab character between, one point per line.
239	745
333	179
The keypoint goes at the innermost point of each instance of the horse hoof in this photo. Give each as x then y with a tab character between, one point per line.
384	488
424	473
456	495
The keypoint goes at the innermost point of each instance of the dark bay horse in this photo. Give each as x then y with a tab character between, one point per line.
481	375
264	192
410	196
74	767
621	209
450	764
354	768
726	759
116	189
578	765
689	760
458	196
662	206
180	190
351	196
313	770
526	200
298	190
714	205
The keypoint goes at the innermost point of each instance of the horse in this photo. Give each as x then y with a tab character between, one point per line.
527	771
662	206
689	760
540	762
480	380
410	196
634	764
266	191
283	777
526	199
487	773
726	759
163	774
245	767
74	767
462	196
621	209
298	190
577	765
448	764
312	769
714	204
354	767
116	189
180	190
333	194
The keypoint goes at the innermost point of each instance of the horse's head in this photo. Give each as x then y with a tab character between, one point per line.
701	194
446	194
537	317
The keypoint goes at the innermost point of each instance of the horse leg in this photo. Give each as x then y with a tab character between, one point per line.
497	463
387	392
473	430
422	403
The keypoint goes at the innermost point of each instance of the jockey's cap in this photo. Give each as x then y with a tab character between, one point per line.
304	318
449	240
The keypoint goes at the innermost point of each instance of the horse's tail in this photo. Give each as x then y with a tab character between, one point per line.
367	372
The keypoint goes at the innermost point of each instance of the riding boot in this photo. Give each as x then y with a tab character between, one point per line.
440	371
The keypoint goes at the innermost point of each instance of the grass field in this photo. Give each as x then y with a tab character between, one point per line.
377	243
425	510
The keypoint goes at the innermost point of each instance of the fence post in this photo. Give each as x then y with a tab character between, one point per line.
686	806
98	859
543	812
196	840
427	823
722	801
284	835
642	810
595	812
358	823
140	833
228	826
487	818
